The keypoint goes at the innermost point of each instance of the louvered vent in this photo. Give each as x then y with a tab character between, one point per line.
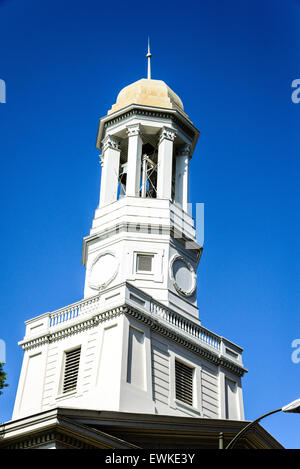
72	359
184	382
144	263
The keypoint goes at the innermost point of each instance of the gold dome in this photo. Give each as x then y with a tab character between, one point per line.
147	92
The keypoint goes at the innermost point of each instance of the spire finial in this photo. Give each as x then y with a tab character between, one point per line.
149	60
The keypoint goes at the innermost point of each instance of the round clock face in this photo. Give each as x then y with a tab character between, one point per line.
183	276
103	270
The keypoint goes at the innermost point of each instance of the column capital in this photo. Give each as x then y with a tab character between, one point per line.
133	130
167	133
184	150
110	142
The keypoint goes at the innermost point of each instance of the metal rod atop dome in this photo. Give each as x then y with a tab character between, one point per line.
149	55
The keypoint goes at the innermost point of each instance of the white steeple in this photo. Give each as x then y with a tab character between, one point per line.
147	142
135	343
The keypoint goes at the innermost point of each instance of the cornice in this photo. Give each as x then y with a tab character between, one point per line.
62	432
129	227
76	427
189	344
70	330
154	325
55	437
147	111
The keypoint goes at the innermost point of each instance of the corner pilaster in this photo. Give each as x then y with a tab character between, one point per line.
134	134
110	170
165	162
182	176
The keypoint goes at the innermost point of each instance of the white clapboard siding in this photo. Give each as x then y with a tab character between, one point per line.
210	392
50	379
88	360
160	370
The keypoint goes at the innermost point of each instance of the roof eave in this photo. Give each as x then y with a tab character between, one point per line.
173	112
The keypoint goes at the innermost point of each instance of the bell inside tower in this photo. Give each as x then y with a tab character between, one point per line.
147	169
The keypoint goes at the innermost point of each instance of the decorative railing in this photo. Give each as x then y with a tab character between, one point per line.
175	319
91	305
74	310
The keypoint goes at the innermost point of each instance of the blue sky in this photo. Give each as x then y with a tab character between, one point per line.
232	64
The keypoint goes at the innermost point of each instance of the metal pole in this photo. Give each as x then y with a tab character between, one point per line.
221	440
246	428
149	61
144	176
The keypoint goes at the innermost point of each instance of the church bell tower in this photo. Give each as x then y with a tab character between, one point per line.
135	342
142	227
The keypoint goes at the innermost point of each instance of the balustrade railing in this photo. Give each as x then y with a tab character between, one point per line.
74	310
187	326
91	305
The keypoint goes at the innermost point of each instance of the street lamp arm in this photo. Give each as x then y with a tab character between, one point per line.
246	428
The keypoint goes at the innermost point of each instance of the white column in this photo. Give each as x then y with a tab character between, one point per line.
134	160
182	176
165	158
110	170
